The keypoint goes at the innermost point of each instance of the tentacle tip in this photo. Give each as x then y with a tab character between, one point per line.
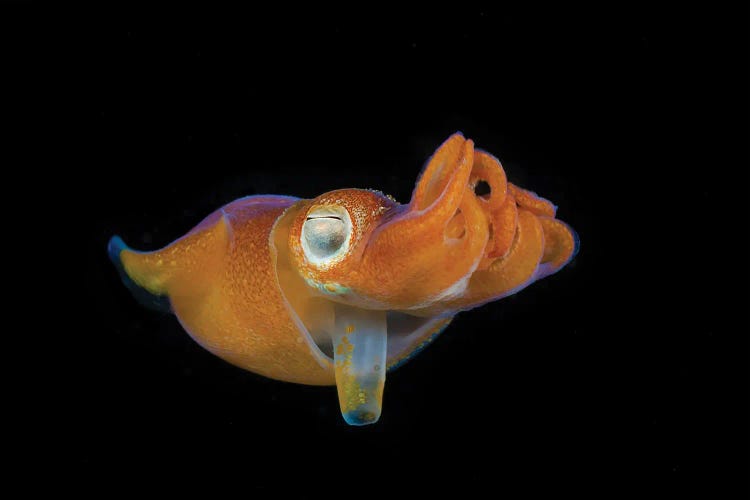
576	243
485	152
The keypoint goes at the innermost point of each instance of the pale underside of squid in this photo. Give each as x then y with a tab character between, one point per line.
341	288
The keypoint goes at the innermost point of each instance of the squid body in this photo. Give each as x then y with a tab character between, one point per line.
340	289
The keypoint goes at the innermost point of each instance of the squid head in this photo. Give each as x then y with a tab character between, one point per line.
341	288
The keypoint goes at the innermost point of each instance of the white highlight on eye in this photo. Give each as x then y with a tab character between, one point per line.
326	235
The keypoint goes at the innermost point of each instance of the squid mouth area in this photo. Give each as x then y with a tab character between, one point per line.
357	344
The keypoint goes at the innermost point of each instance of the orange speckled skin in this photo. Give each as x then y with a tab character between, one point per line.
446	251
227	296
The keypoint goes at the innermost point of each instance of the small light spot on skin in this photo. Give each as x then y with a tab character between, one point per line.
159	262
345	346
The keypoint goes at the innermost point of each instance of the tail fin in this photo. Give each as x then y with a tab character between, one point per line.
150	298
187	267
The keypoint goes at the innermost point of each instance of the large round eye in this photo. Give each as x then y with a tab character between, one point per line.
326	233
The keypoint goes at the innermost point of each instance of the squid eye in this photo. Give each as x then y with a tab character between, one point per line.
326	233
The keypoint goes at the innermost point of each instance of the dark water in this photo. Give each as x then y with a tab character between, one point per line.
619	373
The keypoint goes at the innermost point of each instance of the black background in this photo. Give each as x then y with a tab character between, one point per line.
625	372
